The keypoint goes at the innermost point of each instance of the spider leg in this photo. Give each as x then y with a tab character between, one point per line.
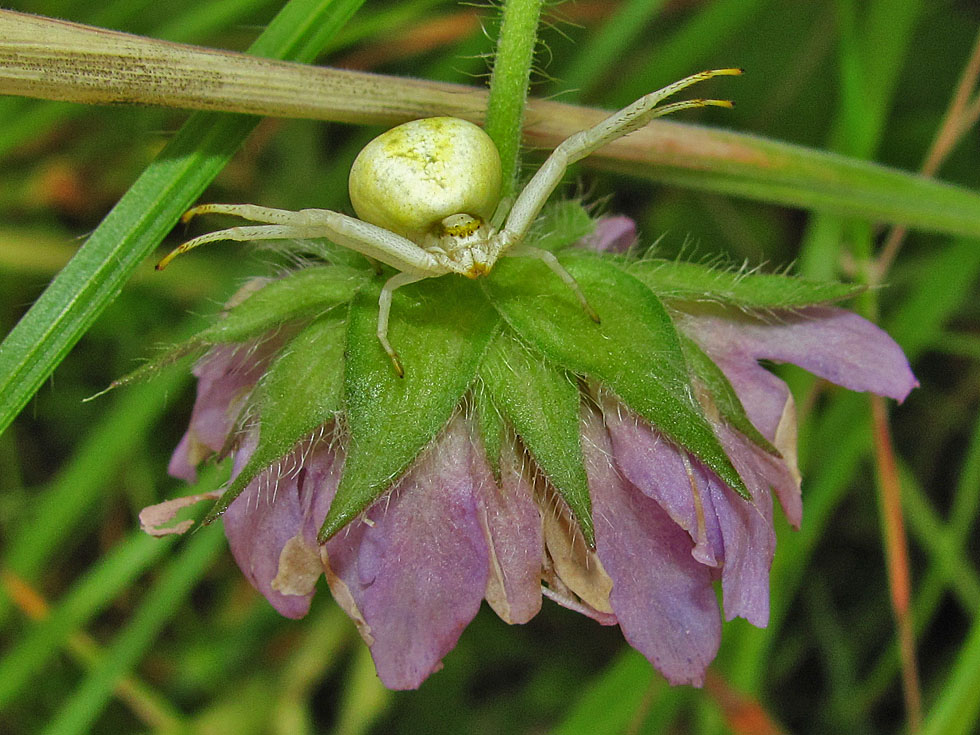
370	240
240	234
549	259
581	144
384	310
251	212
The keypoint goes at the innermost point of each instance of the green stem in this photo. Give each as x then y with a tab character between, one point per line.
509	84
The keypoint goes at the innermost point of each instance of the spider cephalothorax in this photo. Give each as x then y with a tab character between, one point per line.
427	193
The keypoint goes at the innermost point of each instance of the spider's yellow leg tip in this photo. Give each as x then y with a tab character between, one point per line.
397	364
165	261
192	213
593	315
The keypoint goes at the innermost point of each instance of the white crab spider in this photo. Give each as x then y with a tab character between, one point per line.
426	193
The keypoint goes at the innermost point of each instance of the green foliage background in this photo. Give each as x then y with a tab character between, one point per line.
148	635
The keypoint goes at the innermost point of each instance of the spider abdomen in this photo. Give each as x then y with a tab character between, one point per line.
412	177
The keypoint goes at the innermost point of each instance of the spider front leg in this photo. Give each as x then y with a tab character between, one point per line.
250	212
280	224
365	238
578	146
376	243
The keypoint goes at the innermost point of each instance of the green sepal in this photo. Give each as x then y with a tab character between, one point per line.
490	425
722	392
303	293
300	392
541	402
561	224
635	351
441	328
154	367
300	294
677	280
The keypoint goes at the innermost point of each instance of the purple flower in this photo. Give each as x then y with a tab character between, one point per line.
412	570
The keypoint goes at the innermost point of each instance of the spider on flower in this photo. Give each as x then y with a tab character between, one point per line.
427	193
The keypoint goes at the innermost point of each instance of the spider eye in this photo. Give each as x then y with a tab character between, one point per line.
414	176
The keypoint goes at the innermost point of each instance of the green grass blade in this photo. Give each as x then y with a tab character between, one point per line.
93	593
598	54
618	693
150	208
958	706
80	710
63	509
685	50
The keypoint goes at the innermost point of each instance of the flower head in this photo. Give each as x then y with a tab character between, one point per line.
619	470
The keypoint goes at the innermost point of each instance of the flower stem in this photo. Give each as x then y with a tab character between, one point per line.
509	84
897	555
961	115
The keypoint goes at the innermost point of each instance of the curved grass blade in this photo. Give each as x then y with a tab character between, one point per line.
82	707
110	576
151	207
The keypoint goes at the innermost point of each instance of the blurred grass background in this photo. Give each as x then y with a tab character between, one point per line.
104	630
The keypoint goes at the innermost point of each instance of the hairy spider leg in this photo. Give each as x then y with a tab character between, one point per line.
576	147
251	212
375	242
238	234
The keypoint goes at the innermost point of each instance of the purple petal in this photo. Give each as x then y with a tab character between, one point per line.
613	234
417	569
661	472
226	375
770	407
187	456
662	597
268	525
746	527
748	556
763	395
832	343
514	539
